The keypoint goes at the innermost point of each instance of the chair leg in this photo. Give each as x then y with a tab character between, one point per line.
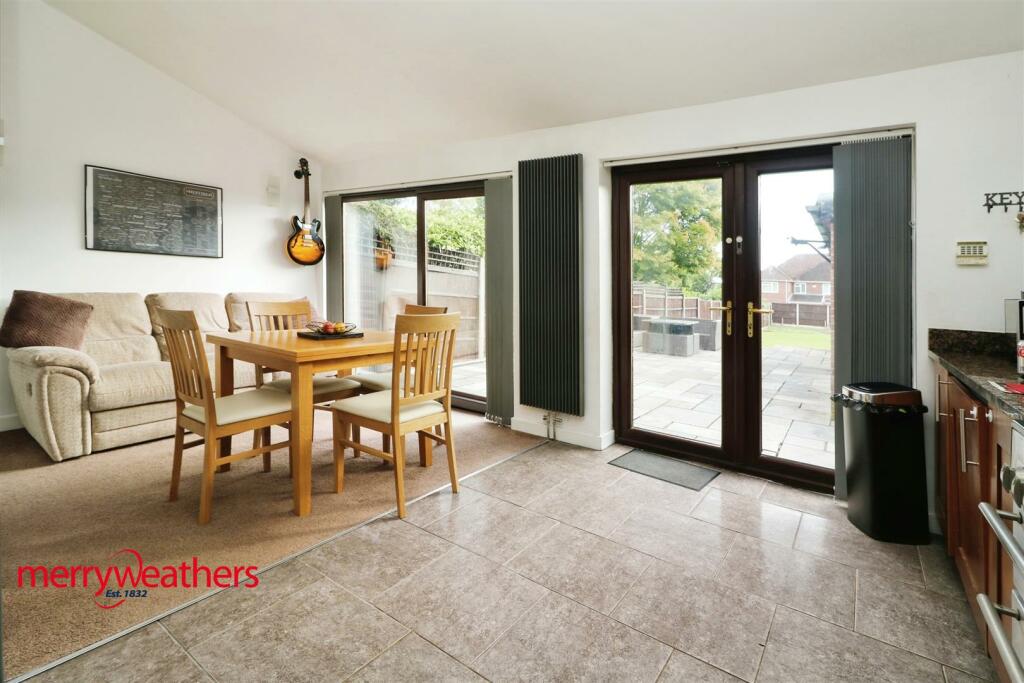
179	446
400	474
210	450
426	450
291	456
338	430
261	437
449	445
355	437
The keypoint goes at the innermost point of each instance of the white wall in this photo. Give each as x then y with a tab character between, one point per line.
969	119
70	98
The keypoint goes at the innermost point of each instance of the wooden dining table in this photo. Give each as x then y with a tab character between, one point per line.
285	351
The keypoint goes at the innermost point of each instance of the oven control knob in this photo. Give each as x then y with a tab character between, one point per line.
1018	492
1006	476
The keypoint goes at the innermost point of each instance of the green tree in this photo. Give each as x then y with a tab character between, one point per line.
677	233
456	225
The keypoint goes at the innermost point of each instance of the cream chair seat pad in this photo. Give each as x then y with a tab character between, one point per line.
246	405
377	406
321	385
376	381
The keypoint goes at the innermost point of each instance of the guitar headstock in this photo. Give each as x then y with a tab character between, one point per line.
303	170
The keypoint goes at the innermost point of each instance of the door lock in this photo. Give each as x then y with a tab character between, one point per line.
750	316
727	309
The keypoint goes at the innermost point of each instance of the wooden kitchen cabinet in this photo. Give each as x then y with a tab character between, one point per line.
973	442
968	471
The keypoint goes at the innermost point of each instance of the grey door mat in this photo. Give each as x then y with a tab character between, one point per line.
668	469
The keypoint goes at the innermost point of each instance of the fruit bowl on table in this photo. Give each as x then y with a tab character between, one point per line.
328	329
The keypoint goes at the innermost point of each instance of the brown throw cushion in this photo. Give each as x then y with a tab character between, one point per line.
38	319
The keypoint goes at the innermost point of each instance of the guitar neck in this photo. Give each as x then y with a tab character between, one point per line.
305	210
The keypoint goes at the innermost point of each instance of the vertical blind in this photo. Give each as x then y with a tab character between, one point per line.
498	299
873	268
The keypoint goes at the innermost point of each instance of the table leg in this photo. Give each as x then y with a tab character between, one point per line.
301	438
225	387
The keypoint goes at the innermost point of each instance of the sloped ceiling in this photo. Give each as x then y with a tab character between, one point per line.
348	80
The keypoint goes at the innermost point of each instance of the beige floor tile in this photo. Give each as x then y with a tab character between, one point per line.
803	501
518	480
661	494
322	632
954	676
713	622
841	541
927	623
940	573
749	516
435	506
462	602
734	482
218	612
682	668
561	640
369	560
792	578
802	649
690	543
414	659
587	568
492	528
148	654
596	508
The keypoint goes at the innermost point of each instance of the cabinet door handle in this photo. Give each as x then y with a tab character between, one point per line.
938	398
964	462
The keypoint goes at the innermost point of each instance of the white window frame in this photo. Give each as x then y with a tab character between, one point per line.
799	287
770	287
826	289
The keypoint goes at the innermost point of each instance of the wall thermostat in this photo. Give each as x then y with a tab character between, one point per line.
971	253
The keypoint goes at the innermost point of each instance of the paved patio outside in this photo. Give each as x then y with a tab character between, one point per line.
682	396
470	377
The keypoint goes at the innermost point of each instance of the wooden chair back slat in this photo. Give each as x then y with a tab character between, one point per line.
416	309
426	343
272	316
189	366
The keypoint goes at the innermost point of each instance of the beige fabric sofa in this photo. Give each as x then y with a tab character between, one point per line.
118	389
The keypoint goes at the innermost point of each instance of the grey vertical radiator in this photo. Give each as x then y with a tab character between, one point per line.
550	284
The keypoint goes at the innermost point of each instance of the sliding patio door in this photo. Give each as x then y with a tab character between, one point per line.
723	313
416	247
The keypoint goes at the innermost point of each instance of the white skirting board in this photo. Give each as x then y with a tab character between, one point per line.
9	422
598	442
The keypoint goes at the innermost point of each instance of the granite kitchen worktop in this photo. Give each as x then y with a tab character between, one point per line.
977	359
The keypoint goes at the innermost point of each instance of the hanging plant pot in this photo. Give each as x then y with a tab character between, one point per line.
382	258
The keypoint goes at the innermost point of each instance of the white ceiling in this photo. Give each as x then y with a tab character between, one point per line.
341	80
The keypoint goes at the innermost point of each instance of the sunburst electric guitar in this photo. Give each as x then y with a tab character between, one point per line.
305	246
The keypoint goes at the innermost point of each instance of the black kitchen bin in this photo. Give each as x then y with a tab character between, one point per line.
883	429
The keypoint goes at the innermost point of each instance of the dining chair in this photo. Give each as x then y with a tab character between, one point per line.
271	316
381	381
213	418
417	401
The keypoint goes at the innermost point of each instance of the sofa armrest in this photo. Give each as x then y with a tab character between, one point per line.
50	356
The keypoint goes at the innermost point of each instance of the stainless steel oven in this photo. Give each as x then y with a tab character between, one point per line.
1010	649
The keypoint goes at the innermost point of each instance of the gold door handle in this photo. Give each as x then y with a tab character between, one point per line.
750	316
728	316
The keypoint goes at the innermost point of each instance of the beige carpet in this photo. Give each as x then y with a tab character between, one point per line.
79	512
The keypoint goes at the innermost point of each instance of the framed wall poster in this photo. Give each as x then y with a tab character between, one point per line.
143	214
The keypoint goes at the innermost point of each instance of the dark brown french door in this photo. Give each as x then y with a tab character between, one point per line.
724	311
